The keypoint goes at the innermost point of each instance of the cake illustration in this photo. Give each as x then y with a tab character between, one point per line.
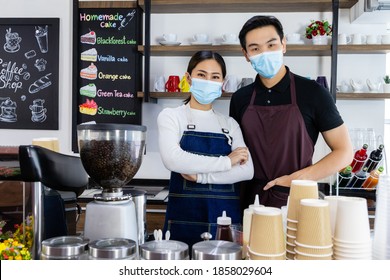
89	55
88	108
89	38
89	73
88	90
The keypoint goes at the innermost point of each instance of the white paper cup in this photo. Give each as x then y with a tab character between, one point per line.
352	223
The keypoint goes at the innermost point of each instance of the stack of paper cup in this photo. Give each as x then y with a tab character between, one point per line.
333	200
300	189
266	241
50	143
314	234
352	239
381	244
246	224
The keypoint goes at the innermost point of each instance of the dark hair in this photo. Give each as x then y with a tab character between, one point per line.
200	56
258	22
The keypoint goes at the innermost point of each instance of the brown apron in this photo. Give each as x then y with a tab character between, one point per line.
279	144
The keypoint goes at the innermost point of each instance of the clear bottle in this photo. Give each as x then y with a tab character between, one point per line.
358	179
343	177
372	180
224	231
359	159
374	158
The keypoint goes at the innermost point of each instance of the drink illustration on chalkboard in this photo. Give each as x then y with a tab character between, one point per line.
12	41
40	84
8	110
40	64
41	34
89	38
38	112
88	90
88	108
89	73
126	20
89	55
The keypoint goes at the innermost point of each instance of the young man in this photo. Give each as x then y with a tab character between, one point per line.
281	115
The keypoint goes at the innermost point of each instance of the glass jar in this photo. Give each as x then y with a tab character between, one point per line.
64	248
113	249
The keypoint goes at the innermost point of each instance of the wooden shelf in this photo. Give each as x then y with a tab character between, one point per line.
227	95
233	50
107	4
243	6
363	49
357	96
292	50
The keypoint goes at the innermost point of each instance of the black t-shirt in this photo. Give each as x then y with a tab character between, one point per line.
315	103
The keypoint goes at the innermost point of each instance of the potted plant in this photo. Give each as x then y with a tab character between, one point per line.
386	85
318	31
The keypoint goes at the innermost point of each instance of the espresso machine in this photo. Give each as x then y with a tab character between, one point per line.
111	155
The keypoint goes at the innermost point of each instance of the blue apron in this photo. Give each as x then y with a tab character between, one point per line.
193	208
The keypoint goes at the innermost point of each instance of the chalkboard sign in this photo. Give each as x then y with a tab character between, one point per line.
29	73
108	66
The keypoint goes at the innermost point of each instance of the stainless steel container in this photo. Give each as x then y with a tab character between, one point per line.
216	250
164	250
64	248
139	199
113	249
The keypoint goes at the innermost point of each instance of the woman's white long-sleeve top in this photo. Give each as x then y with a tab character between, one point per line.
172	122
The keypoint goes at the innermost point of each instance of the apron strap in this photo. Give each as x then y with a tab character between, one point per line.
221	120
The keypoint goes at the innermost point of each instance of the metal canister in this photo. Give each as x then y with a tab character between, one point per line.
164	250
216	250
64	248
113	249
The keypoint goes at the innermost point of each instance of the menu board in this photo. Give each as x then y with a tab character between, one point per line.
109	66
29	73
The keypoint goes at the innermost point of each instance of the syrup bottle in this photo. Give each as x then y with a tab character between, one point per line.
344	176
372	180
359	159
224	231
358	179
374	158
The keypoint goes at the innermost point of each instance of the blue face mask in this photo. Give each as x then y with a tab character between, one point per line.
267	64
205	91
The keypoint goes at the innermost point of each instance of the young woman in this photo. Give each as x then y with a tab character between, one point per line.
206	153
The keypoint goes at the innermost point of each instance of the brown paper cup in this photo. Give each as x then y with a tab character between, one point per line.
267	235
314	251
300	189
314	227
48	143
254	256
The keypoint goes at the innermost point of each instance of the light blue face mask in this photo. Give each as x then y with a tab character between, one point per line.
205	91
267	64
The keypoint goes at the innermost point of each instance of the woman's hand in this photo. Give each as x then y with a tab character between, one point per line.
190	177
239	156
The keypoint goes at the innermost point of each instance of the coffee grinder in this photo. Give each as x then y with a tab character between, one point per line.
111	155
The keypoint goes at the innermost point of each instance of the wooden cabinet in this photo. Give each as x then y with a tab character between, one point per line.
243	6
238	6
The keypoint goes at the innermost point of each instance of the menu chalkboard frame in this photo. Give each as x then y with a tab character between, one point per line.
34	104
78	65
